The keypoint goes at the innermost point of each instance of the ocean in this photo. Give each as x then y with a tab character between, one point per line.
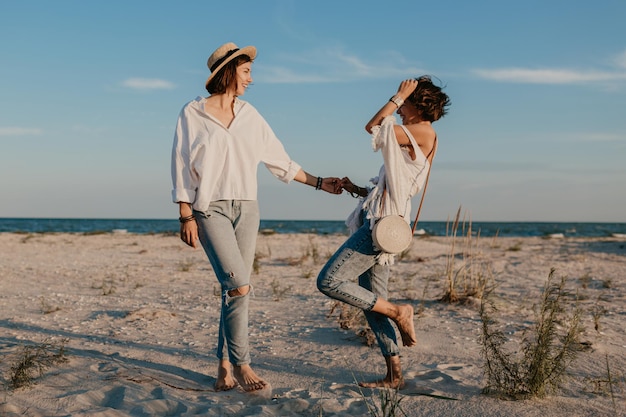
155	226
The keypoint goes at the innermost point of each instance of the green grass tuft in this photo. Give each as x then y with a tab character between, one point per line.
546	352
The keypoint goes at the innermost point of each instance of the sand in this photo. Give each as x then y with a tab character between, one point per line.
137	316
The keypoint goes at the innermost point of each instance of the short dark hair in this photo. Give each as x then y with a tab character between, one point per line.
227	75
429	99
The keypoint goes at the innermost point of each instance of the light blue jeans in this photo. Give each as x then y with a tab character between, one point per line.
337	279
228	232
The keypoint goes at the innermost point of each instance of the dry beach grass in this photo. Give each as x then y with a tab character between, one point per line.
136	319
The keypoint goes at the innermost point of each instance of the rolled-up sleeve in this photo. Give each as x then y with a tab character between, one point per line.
184	182
382	133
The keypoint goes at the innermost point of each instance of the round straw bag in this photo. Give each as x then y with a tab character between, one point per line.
392	234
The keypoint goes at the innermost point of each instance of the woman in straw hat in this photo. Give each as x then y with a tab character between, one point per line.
218	144
358	272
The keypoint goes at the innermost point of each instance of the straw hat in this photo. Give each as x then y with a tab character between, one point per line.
224	54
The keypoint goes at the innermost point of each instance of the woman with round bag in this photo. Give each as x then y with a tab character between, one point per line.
358	272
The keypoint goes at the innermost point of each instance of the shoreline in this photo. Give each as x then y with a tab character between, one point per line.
323	227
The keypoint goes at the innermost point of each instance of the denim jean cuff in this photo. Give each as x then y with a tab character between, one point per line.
373	303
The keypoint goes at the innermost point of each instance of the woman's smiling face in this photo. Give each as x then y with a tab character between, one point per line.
244	78
408	113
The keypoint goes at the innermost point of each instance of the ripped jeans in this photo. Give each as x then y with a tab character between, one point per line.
228	232
338	280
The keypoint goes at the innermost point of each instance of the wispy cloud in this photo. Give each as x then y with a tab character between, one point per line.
284	75
147	84
547	75
19	131
555	75
333	65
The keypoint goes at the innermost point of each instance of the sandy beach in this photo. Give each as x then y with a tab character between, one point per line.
137	317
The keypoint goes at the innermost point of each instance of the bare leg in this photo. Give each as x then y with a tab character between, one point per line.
248	379
402	315
225	380
393	379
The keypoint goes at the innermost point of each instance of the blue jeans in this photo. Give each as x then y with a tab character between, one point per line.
337	279
228	232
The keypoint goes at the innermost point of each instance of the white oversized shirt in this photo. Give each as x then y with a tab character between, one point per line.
211	162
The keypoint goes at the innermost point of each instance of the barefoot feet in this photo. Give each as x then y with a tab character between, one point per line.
384	383
225	380
393	379
404	321
248	379
402	316
229	377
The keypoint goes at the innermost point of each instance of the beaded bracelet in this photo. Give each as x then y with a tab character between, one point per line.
319	183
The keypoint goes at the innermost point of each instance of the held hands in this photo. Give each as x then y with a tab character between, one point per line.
335	185
350	187
331	185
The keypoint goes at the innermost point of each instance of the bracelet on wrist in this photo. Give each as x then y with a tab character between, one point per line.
318	186
186	219
397	100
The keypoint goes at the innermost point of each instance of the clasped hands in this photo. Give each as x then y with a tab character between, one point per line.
335	185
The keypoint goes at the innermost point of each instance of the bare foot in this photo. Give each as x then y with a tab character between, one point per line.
393	379
404	321
248	379
384	383
225	380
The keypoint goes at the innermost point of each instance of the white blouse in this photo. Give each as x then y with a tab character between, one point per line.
212	162
402	176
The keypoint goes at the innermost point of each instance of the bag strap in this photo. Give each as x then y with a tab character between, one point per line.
419	209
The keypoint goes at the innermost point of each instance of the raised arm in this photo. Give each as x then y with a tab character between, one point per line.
404	91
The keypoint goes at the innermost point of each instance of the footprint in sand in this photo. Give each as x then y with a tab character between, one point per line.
438	380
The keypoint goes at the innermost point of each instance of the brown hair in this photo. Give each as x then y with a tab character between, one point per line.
429	99
227	76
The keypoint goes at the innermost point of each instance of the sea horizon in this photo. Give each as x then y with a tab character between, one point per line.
434	228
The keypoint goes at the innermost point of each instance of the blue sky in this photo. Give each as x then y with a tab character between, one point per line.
90	93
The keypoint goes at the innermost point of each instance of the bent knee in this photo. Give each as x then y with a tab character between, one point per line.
323	283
